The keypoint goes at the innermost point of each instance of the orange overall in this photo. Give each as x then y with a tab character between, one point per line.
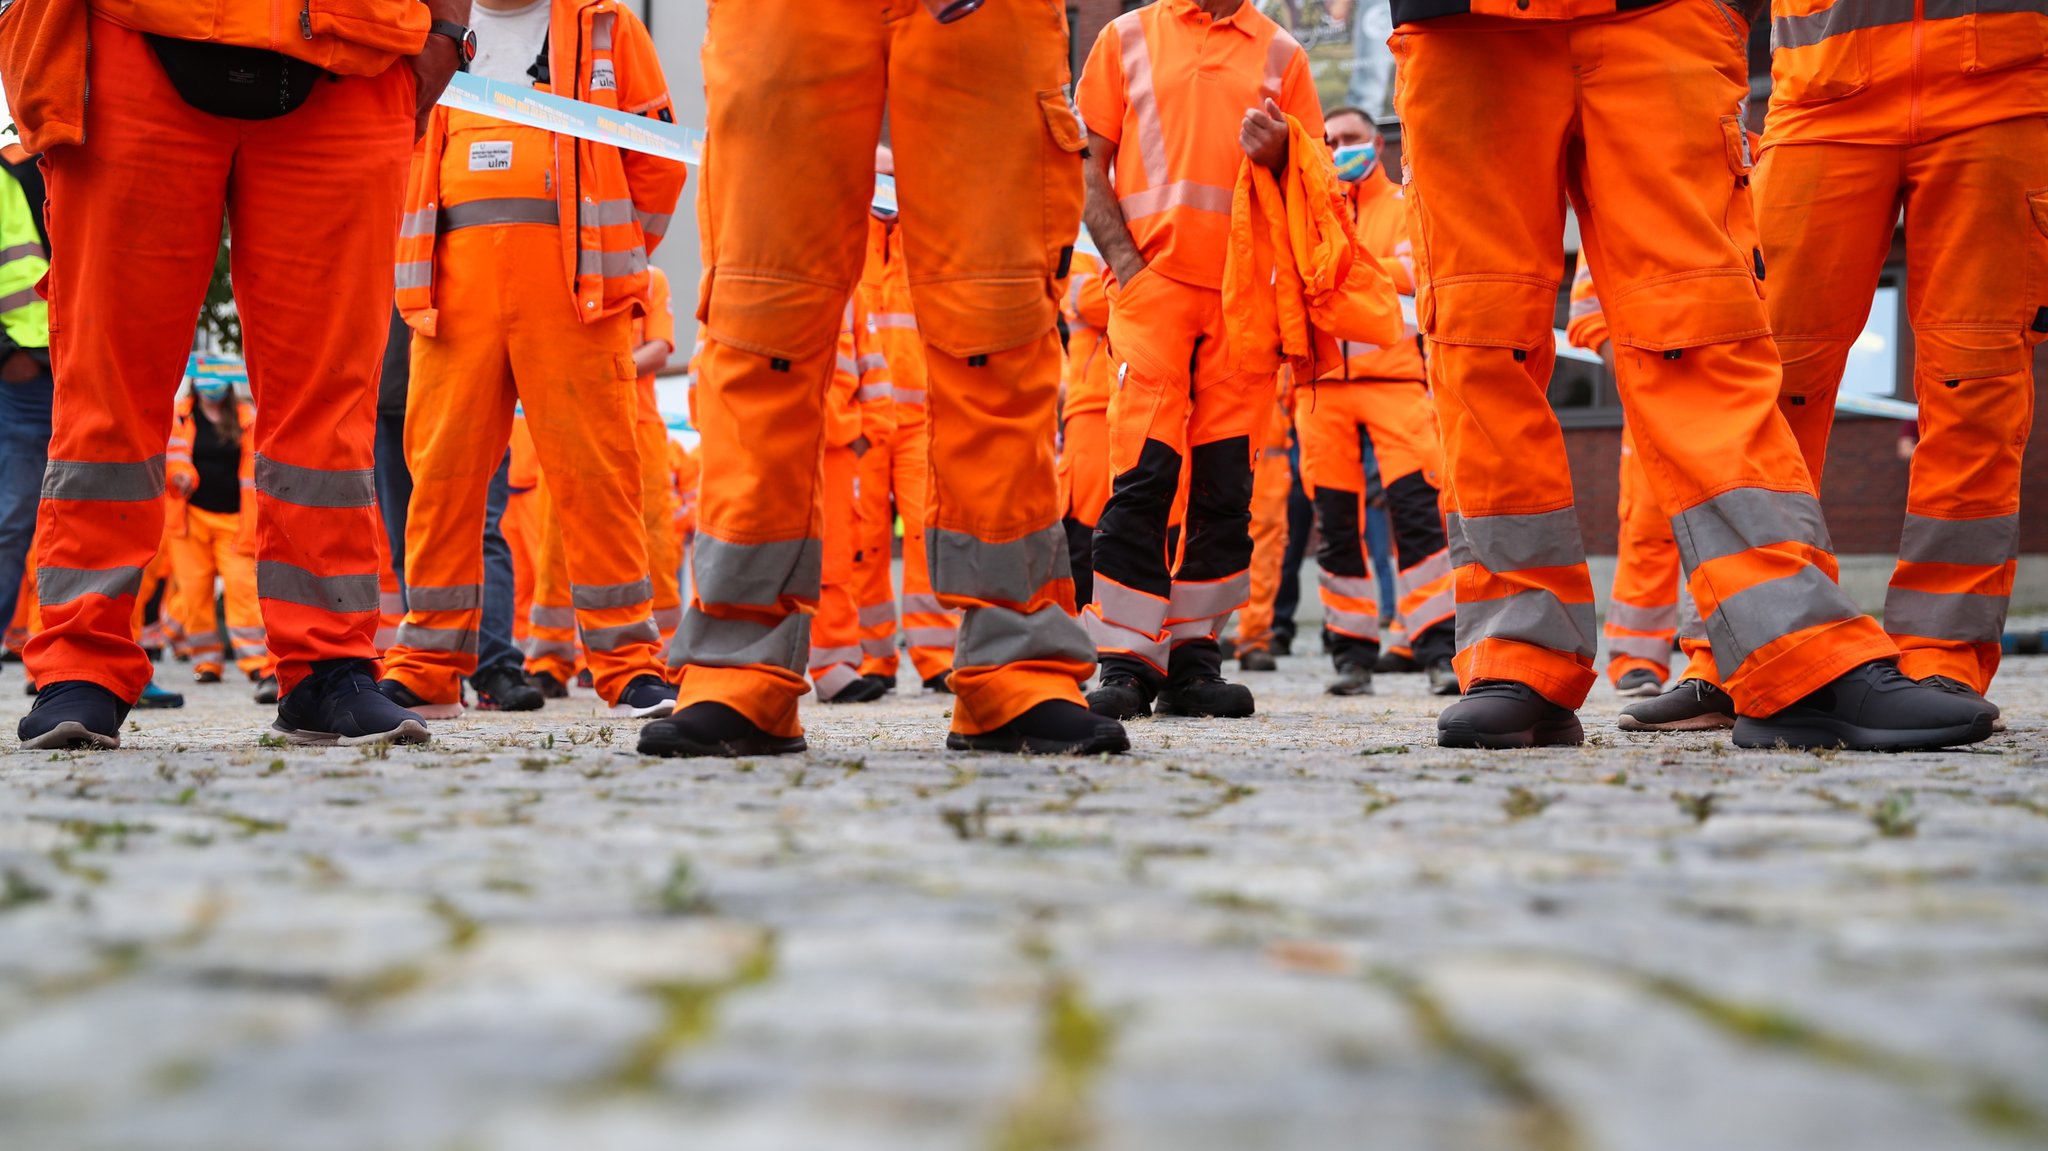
1084	414
523	267
313	198
1635	111
983	254
206	545
1272	479
1166	85
1942	109
859	399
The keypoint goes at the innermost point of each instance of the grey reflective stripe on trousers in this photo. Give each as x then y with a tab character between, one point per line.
1209	599
827	656
1012	571
667	618
1988	541
537	648
502	210
1130	609
1635	617
1788	32
1960	617
1430	612
835	679
289	583
115	483
1187	629
931	636
1744	518
556	618
1533	616
877	614
713	642
910	397
458	597
1356	624
62	585
316	487
1508	543
924	604
755	575
1421	575
1761	613
1690	625
1107	635
462	640
880	647
994	636
614	638
1350	587
599	597
1640	647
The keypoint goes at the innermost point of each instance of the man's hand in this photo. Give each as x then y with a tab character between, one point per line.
439	59
1263	136
184	482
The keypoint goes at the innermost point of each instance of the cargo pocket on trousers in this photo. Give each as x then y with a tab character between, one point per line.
1955	366
770	316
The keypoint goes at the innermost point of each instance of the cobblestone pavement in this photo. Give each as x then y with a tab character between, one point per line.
1311	929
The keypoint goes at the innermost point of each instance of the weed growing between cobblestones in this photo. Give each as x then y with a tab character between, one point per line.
1543	1122
17	890
1074	1045
1894	816
689	1015
1522	803
680	893
1698	805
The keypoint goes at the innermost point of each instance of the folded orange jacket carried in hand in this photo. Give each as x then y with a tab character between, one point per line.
42	63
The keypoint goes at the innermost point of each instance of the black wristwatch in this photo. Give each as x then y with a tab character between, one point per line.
465	39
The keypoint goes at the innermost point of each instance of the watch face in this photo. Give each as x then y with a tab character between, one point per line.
469	45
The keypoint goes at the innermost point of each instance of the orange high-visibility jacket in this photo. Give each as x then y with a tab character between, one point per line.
178	461
1864	72
1587	325
1406	11
1297	279
613	205
1086	306
43	45
1379	214
860	401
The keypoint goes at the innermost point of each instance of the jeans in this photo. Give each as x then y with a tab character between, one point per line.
24	452
494	647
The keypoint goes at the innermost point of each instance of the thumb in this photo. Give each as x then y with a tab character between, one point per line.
1273	110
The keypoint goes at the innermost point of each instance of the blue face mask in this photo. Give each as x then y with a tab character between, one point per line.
215	390
1354	161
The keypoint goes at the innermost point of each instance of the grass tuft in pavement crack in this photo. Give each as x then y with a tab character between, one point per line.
1055	1112
1894	816
689	1014
1542	1122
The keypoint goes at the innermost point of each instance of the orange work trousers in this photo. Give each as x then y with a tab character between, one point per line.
1084	490
1181	421
521	527
208	551
390	599
981	96
835	657
509	333
1397	416
1272	480
894	480
1642	611
313	199
1637	113
1976	206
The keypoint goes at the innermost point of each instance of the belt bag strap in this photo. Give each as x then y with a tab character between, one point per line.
232	81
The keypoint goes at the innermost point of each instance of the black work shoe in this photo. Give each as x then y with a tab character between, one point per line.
411	701
1121	696
1393	662
1227	646
1352	679
266	689
548	685
940	684
886	682
505	688
1958	687
73	713
1875	707
1499	713
206	675
1443	677
1205	696
156	698
861	690
1283	644
1690	705
647	697
1055	727
1641	683
713	729
1257	659
340	704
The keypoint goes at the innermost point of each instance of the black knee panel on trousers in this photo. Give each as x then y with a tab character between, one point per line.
1416	518
1343	549
1130	538
1219	510
1081	558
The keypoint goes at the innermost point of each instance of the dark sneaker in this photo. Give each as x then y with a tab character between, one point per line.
713	729
207	673
1499	713
1641	683
505	688
940	684
886	682
1691	705
266	689
1055	727
1443	677
1283	644
548	685
1120	697
1876	707
647	697
585	681
862	690
340	704
1205	697
1351	680
73	713
1393	662
1958	687
1227	646
411	701
157	698
1257	659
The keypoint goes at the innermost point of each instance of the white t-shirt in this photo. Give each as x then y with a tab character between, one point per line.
508	41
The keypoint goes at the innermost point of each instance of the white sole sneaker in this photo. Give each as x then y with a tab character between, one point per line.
409	731
661	710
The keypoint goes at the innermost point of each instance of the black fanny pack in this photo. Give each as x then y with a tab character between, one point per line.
233	81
